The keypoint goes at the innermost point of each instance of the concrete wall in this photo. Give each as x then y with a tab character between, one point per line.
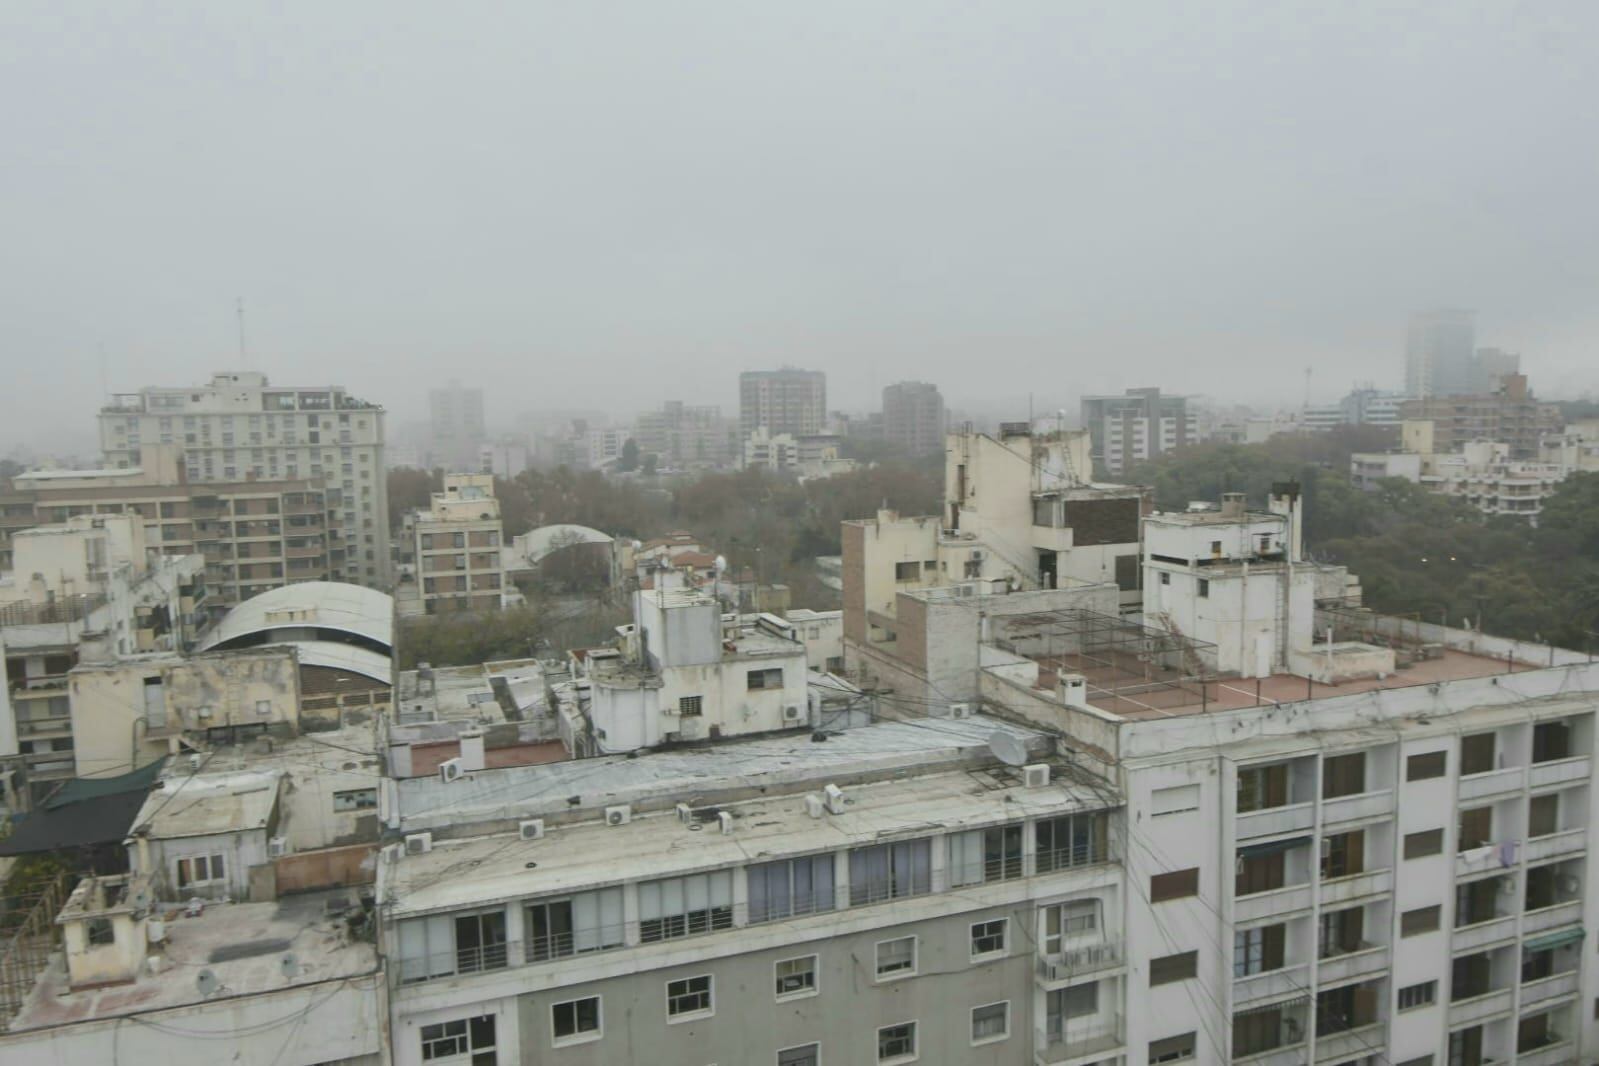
241	851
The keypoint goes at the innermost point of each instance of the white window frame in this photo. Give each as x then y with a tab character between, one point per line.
675	1018
1004	938
584	1037
211	859
895	975
979	1041
804	993
916	1043
817	1044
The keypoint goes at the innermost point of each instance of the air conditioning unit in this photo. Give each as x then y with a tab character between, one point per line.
815	806
532	829
977	555
418	843
792	713
277	847
618	815
960	710
450	770
1568	884
835	799
685	813
725	820
1035	775
1507	886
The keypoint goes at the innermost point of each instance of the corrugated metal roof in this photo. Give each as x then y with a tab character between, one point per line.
325	604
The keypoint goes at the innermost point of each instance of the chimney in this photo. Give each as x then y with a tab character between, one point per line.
472	750
1232	504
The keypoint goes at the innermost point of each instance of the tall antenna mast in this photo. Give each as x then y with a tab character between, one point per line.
244	351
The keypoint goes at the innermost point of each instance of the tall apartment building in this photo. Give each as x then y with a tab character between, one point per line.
457	545
254	535
1364	406
914	417
456	425
684	436
239	427
1136	426
1438	353
1511	415
782	401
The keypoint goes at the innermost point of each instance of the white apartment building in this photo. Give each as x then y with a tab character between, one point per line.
806	457
1136	426
239	427
1575	448
457	547
1481	473
894	894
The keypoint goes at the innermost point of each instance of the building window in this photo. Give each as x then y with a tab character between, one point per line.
691	706
101	932
1476	754
1476	828
201	870
1078	917
1421	920
356	799
1174	885
890	871
1261	868
1258	950
1204	589
1422	995
1262	787
804	1055
689	997
1174	800
907	572
1341	932
991	1023
1075	840
1343	854
464	1036
1171	968
1172	1048
1063	1005
790	887
795	978
896	958
683	906
584	922
576	1020
897	1043
763	679
1543	815
1343	775
1426	765
988	938
982	855
1424	842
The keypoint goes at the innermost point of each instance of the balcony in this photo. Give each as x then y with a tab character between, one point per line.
1565	842
1080	1041
1356	886
1562	1053
1287	1055
1488	858
1351	1043
1549	988
1292	818
1368	960
1492	783
1279	901
44	727
1065	966
1493	931
1356	808
1480	1008
1566	912
1559	771
1273	984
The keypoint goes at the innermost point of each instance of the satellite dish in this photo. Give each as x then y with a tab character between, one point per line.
206	982
289	965
1007	748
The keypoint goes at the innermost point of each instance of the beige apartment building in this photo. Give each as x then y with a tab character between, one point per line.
239	428
456	546
255	535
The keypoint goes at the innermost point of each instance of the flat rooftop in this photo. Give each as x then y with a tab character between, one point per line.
787	762
1119	684
591	853
210	804
243	944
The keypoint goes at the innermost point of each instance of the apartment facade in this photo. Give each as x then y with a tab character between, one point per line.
1439	345
1512	415
239	427
914	417
456	424
685	436
457	544
787	401
741	906
1137	426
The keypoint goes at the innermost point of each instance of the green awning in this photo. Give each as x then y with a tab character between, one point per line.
1555	940
1272	847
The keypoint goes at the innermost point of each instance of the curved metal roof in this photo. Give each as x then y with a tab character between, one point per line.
335	605
534	546
347	657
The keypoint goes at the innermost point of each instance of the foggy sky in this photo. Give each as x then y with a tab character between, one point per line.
605	205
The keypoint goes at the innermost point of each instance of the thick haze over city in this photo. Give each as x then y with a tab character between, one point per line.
600	206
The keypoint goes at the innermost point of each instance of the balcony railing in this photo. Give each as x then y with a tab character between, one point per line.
1489	1004
1074	962
1500	855
1479	934
1356	886
1062	1040
1559	771
1556	915
565	945
451	963
1565	842
1360	806
1549	988
1272	820
1277	901
1090	854
1491	783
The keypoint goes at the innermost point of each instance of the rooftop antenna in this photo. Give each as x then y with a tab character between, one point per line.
244	352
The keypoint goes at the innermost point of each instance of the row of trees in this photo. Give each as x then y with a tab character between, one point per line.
1417	553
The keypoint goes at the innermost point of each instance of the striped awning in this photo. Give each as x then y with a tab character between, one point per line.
1558	939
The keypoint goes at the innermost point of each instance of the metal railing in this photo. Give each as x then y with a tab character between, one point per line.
796	906
880	890
692	923
542	948
1090	854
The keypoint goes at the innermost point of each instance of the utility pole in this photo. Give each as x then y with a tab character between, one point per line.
244	352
